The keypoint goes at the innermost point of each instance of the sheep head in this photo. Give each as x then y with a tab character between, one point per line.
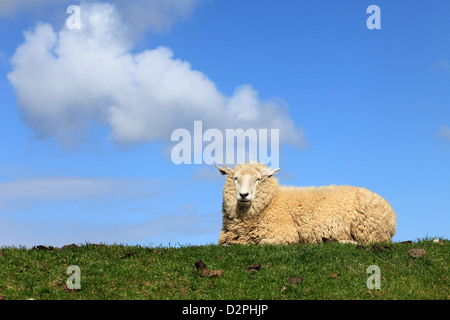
246	182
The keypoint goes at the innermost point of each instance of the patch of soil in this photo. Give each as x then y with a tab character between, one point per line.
129	254
379	247
199	264
254	266
156	251
204	271
41	247
71	246
416	253
210	273
295	280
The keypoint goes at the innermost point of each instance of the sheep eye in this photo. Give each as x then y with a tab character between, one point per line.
235	179
258	180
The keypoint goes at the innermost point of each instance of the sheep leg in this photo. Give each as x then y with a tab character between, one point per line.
284	235
227	238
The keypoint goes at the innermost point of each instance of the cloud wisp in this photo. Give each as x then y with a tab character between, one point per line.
30	192
72	81
141	15
443	133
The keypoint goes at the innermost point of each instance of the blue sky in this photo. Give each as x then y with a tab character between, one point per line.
87	115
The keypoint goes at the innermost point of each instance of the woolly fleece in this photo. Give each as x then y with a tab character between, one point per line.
288	215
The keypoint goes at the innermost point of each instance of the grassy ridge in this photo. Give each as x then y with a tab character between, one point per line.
325	271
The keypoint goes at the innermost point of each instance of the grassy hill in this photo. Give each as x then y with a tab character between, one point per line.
325	271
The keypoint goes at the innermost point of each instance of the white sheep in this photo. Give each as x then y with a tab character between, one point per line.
256	210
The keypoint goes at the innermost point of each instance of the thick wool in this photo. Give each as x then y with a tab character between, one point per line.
288	215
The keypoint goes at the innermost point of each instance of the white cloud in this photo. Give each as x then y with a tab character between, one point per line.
71	81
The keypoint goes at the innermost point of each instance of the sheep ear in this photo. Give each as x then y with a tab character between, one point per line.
269	172
225	170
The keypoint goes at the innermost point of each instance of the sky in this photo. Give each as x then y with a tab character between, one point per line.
89	111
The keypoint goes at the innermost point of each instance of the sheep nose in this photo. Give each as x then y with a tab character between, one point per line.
243	195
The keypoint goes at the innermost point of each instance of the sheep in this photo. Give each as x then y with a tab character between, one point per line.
256	210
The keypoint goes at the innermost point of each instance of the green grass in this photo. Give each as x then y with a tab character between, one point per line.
169	273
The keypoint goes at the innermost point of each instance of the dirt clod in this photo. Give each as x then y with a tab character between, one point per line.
295	280
254	266
129	254
210	273
156	251
199	264
416	253
204	271
378	247
71	246
41	247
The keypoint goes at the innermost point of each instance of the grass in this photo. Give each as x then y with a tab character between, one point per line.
327	271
